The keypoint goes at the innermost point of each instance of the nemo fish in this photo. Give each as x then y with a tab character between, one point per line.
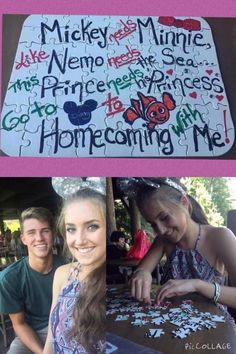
149	109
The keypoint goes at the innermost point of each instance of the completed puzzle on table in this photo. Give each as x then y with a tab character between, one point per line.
184	319
117	86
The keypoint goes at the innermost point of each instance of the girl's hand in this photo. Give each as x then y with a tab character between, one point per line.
176	287
140	285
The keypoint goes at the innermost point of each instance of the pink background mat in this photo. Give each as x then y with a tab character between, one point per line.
10	166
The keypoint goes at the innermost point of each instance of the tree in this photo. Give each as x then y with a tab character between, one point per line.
128	217
213	194
111	220
122	217
220	195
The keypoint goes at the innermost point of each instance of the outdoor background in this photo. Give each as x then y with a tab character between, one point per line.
216	195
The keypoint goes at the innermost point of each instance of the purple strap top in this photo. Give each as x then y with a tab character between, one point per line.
189	264
62	320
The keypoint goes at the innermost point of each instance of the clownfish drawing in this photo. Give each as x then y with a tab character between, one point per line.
149	109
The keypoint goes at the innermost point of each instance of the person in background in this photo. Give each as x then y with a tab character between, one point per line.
13	245
26	285
118	247
1	240
79	288
8	238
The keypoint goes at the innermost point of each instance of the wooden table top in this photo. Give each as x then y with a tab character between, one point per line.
201	341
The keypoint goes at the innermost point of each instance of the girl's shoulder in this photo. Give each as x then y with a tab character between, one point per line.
63	269
60	280
61	274
218	235
211	230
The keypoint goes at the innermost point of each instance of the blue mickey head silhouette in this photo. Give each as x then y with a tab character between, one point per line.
80	115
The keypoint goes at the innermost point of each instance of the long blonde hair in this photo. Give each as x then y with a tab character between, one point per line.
170	195
89	311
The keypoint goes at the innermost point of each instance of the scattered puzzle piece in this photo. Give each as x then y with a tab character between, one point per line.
122	318
181	333
158	321
154	333
186	318
139	322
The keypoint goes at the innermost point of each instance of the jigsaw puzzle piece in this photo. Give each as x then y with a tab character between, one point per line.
39	112
122	138
215	100
39	141
139	315
181	333
139	322
153	313
122	318
122	31
145	142
8	147
154	333
157	321
90	142
182	63
13	121
28	140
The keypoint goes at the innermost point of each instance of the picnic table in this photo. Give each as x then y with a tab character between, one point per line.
217	340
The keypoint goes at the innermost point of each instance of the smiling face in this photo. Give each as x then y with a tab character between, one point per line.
169	221
158	113
85	226
38	237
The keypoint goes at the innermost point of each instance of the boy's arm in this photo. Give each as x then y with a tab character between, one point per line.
26	334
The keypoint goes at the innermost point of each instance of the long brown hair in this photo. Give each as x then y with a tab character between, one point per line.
89	313
89	310
173	196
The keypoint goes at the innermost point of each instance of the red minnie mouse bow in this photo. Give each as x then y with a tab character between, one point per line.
188	24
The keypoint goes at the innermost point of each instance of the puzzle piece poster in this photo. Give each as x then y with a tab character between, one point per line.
118	86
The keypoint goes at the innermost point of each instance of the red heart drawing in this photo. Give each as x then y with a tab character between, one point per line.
170	71
220	97
193	94
209	71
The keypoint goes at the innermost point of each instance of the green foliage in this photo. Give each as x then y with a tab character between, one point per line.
122	218
213	194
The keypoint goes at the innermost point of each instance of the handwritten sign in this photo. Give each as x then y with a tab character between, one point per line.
116	86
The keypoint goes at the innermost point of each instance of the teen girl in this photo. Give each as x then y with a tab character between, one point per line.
198	254
77	320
